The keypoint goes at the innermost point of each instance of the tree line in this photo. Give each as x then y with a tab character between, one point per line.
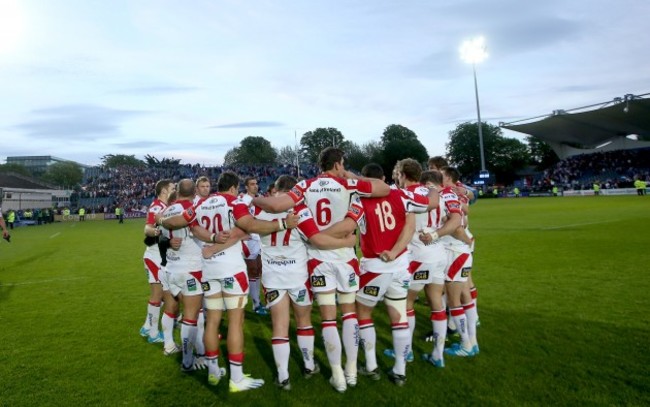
505	157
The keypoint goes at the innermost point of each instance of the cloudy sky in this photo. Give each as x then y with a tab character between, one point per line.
189	79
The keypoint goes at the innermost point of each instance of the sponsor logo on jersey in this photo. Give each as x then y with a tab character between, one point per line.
190	212
272	296
465	272
421	275
205	286
297	192
318	281
352	280
371	290
322	183
453	205
191	285
301	295
280	262
216	254
207	207
228	282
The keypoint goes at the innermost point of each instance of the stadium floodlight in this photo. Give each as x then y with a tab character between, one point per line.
473	51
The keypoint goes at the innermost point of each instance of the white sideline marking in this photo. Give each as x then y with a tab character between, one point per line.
581	224
55	235
42	281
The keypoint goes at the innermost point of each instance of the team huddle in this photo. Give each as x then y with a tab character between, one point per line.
206	252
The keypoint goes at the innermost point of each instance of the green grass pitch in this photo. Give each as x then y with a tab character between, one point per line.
563	303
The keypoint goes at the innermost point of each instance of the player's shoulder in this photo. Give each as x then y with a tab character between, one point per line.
448	192
231	199
418	189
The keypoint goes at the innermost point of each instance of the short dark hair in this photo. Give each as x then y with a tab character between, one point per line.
411	169
249	179
162	184
227	180
434	177
186	188
438	161
328	157
284	183
452	173
372	170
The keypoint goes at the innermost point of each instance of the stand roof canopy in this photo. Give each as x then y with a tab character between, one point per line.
590	127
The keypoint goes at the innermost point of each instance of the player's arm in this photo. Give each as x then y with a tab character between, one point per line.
464	190
341	229
264	227
403	240
234	237
379	187
307	226
205	235
454	221
150	230
173	222
274	204
326	242
461	235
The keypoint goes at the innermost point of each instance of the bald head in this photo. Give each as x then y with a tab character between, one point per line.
185	189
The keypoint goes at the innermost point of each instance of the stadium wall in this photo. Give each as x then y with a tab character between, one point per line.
590	192
20	198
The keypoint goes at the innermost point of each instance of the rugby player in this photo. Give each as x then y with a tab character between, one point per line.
152	262
334	274
286	281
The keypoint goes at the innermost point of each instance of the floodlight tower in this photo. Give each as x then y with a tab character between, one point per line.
473	51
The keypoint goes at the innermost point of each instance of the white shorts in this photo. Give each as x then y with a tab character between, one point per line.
301	296
375	286
459	265
428	273
232	285
163	278
152	269
188	284
343	277
251	249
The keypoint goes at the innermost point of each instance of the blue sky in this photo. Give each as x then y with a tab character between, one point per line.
83	78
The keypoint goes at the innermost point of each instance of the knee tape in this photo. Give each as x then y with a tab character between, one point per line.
326	299
399	305
214	303
347	298
235	302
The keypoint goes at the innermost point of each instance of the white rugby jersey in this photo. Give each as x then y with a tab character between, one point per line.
284	253
452	203
214	214
328	198
152	252
424	221
188	257
247	199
